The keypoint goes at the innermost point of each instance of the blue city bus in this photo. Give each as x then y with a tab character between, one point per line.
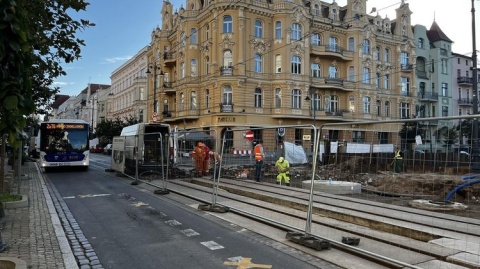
64	142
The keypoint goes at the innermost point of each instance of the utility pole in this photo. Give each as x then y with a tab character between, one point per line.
475	149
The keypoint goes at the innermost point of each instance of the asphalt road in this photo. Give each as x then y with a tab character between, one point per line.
131	228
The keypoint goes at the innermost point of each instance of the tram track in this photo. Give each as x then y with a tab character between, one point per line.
238	197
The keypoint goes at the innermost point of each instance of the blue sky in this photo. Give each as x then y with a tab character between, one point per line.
123	27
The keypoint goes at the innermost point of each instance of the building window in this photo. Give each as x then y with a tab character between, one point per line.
258	97
351	44
386	55
376	54
387	108
351	73
193	67
332	43
227	24
227	58
165	106
316	39
193	36
351	103
420	43
278	29
278	98
258	63
183	39
296	99
207	65
182	70
332	71
227	95
366	75
258	29
444	89
316	10
193	100
405	86
404	110
358	136
404	61
315	70
182	101
444	111
296	31
316	102
296	65
444	66
331	103
366	47
379	108
207	98
207	32
366	105
278	63
377	80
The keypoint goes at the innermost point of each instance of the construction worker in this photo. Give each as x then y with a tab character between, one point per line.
259	154
283	168
198	156
398	161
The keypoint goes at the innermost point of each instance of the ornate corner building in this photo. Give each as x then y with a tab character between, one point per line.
218	64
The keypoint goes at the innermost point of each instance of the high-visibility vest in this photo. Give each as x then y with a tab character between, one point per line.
398	155
258	152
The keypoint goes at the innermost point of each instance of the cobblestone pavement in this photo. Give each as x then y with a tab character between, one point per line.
34	233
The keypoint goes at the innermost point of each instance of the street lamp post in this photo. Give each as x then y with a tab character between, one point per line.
155	67
475	149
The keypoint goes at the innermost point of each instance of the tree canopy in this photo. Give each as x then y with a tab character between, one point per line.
36	37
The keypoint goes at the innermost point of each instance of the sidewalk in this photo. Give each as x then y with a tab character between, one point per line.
34	233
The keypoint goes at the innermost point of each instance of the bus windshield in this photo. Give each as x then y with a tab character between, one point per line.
58	138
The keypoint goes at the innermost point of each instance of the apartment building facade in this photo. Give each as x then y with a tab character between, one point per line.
128	94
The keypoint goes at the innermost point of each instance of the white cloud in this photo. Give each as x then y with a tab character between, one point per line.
116	59
60	83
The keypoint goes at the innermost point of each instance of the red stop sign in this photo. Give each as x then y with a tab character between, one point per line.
249	135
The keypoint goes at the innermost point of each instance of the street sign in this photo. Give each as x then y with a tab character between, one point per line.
249	135
281	131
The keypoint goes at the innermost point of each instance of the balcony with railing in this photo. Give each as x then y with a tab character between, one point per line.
406	93
465	81
428	96
421	73
167	88
331	51
406	67
226	70
465	102
170	58
226	108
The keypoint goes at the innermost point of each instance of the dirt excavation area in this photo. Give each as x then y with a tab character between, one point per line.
400	188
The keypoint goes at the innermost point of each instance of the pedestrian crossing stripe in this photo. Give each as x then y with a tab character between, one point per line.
212	245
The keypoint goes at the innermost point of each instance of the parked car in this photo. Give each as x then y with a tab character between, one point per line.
96	149
107	149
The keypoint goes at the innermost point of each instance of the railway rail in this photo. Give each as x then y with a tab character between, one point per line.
390	236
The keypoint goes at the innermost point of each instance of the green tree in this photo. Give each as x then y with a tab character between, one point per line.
36	37
448	136
465	129
409	131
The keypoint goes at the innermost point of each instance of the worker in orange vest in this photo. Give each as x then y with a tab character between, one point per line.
198	156
259	154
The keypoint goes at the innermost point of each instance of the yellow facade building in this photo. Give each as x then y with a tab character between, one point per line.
221	64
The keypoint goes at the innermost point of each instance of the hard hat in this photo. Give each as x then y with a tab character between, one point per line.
280	159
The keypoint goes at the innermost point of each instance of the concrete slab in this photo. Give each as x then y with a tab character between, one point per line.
468	259
470	247
436	264
333	187
429	205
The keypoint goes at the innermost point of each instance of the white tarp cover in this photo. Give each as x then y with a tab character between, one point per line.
334	147
382	148
294	154
358	148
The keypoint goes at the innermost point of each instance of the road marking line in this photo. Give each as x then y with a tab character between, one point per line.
247	263
139	204
189	232
93	195
212	245
69	197
173	222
